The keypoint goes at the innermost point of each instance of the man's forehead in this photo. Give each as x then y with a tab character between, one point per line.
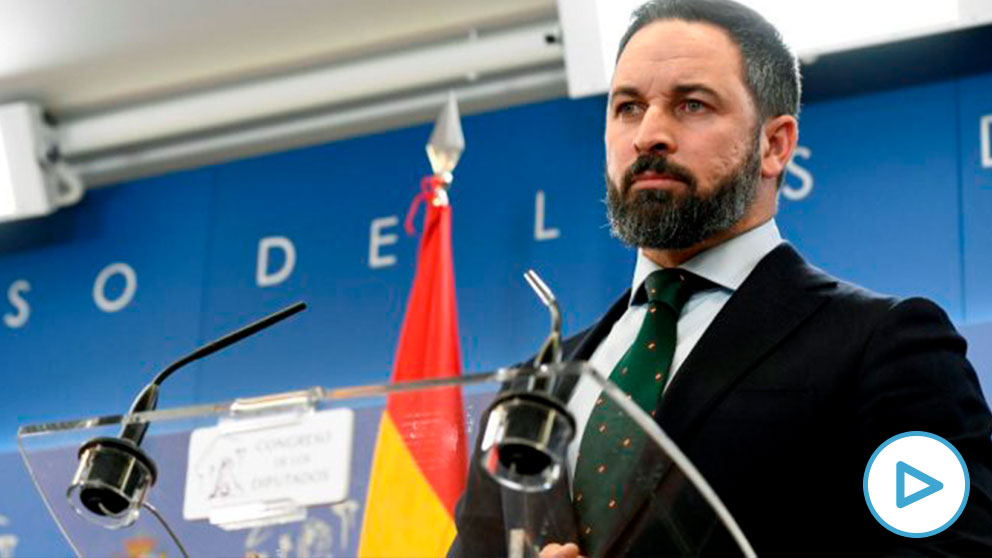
678	51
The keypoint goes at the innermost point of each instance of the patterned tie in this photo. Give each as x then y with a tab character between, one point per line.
611	441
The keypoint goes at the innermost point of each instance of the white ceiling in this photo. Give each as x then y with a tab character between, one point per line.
80	56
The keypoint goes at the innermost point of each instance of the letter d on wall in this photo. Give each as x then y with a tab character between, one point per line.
262	276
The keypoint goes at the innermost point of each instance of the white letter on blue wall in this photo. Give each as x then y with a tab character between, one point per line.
17	320
100	285
541	233
805	177
986	125
262	276
377	240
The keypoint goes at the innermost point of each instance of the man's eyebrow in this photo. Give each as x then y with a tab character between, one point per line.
624	91
688	88
680	90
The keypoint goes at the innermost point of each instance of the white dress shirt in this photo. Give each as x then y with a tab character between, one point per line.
726	265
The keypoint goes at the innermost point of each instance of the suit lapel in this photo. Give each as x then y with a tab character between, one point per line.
584	344
775	298
588	340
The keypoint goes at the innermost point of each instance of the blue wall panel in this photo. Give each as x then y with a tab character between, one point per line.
979	338
976	194
327	196
884	209
555	148
71	359
323	199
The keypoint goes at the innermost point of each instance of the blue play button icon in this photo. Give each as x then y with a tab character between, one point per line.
892	486
931	485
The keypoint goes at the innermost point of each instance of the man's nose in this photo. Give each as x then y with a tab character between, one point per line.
654	134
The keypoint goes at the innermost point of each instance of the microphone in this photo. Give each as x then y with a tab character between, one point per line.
114	474
527	427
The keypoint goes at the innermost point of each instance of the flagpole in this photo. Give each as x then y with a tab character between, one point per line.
418	471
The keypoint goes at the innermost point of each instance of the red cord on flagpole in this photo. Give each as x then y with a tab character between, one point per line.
428	191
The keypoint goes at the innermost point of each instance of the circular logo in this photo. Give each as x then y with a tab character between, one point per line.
916	484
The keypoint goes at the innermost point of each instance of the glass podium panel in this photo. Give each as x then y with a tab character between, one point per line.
304	473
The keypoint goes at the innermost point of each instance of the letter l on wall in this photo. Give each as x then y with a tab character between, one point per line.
541	233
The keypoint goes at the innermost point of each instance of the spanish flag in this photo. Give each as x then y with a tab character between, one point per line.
419	467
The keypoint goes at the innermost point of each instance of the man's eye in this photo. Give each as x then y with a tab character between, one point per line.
627	109
693	106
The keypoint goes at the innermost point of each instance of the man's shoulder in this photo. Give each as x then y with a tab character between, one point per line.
849	298
848	294
851	304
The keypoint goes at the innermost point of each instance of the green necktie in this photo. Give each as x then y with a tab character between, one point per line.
611	441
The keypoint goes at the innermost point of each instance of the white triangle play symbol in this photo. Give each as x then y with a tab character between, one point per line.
914	485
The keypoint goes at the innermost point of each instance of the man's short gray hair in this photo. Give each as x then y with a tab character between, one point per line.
770	67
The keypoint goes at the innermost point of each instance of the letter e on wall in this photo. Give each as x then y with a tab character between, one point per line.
377	240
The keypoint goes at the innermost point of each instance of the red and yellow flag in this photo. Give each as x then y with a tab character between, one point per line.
419	467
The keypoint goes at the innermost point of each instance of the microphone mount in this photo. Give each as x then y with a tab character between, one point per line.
527	427
115	474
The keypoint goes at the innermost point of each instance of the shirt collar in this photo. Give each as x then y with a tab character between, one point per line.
727	264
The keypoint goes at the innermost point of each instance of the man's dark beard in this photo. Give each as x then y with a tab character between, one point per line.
663	219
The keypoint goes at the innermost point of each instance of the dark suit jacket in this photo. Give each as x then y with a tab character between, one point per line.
781	403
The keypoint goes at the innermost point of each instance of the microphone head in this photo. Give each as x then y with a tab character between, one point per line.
111	482
525	439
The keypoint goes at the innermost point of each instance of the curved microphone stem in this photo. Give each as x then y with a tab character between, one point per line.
551	349
230	339
148	398
168	529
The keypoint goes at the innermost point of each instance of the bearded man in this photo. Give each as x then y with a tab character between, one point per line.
777	380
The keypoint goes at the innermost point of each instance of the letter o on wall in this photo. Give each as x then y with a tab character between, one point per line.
125	298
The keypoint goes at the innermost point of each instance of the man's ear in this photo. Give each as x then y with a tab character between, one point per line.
778	142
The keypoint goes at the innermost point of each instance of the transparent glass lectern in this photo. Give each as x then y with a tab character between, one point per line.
289	474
